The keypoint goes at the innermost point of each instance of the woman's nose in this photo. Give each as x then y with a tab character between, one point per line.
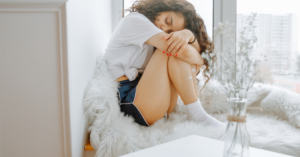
164	28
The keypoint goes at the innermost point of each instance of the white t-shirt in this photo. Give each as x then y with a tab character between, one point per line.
127	53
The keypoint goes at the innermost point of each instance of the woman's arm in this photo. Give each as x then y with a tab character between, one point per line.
178	40
158	41
191	56
196	45
189	53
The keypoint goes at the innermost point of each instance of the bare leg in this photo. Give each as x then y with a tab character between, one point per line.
155	93
184	81
174	93
174	98
182	77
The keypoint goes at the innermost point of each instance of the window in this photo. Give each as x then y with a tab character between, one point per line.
205	9
278	39
127	4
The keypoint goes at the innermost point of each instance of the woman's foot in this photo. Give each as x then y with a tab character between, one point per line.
198	114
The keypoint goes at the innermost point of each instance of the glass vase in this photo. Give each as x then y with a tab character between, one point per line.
236	137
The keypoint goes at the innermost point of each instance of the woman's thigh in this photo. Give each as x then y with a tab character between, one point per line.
153	91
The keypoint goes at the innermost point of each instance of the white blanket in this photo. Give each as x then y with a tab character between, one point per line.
277	128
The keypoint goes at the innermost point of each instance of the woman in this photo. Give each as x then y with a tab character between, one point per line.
154	54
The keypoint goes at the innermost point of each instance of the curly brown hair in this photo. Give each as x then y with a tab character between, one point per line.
193	22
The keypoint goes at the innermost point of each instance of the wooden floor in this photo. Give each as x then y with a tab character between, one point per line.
88	149
90	153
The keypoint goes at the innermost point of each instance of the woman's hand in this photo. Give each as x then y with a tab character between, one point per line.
177	41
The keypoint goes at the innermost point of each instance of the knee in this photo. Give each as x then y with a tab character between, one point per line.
162	56
172	61
193	67
175	62
158	51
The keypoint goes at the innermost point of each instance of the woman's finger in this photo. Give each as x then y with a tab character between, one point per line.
181	49
169	42
168	36
176	48
173	45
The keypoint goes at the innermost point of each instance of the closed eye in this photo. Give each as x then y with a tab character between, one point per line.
166	21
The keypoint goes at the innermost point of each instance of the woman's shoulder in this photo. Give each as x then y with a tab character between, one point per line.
135	16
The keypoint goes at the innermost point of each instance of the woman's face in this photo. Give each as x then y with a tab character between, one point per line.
169	21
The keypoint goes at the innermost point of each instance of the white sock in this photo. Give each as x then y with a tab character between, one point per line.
198	114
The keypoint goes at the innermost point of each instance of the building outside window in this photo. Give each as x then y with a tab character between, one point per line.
278	39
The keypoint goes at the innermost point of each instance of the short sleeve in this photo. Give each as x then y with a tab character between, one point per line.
137	29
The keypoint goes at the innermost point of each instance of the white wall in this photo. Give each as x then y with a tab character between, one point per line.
33	111
116	12
42	74
89	30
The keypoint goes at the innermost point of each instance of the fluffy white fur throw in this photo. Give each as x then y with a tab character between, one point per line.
112	134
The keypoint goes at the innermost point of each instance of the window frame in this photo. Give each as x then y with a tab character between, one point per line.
117	7
224	11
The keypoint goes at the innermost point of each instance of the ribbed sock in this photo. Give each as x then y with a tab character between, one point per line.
198	114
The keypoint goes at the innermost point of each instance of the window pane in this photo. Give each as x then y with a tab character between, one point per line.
127	4
278	37
203	7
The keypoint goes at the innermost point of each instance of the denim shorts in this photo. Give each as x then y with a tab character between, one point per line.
126	92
